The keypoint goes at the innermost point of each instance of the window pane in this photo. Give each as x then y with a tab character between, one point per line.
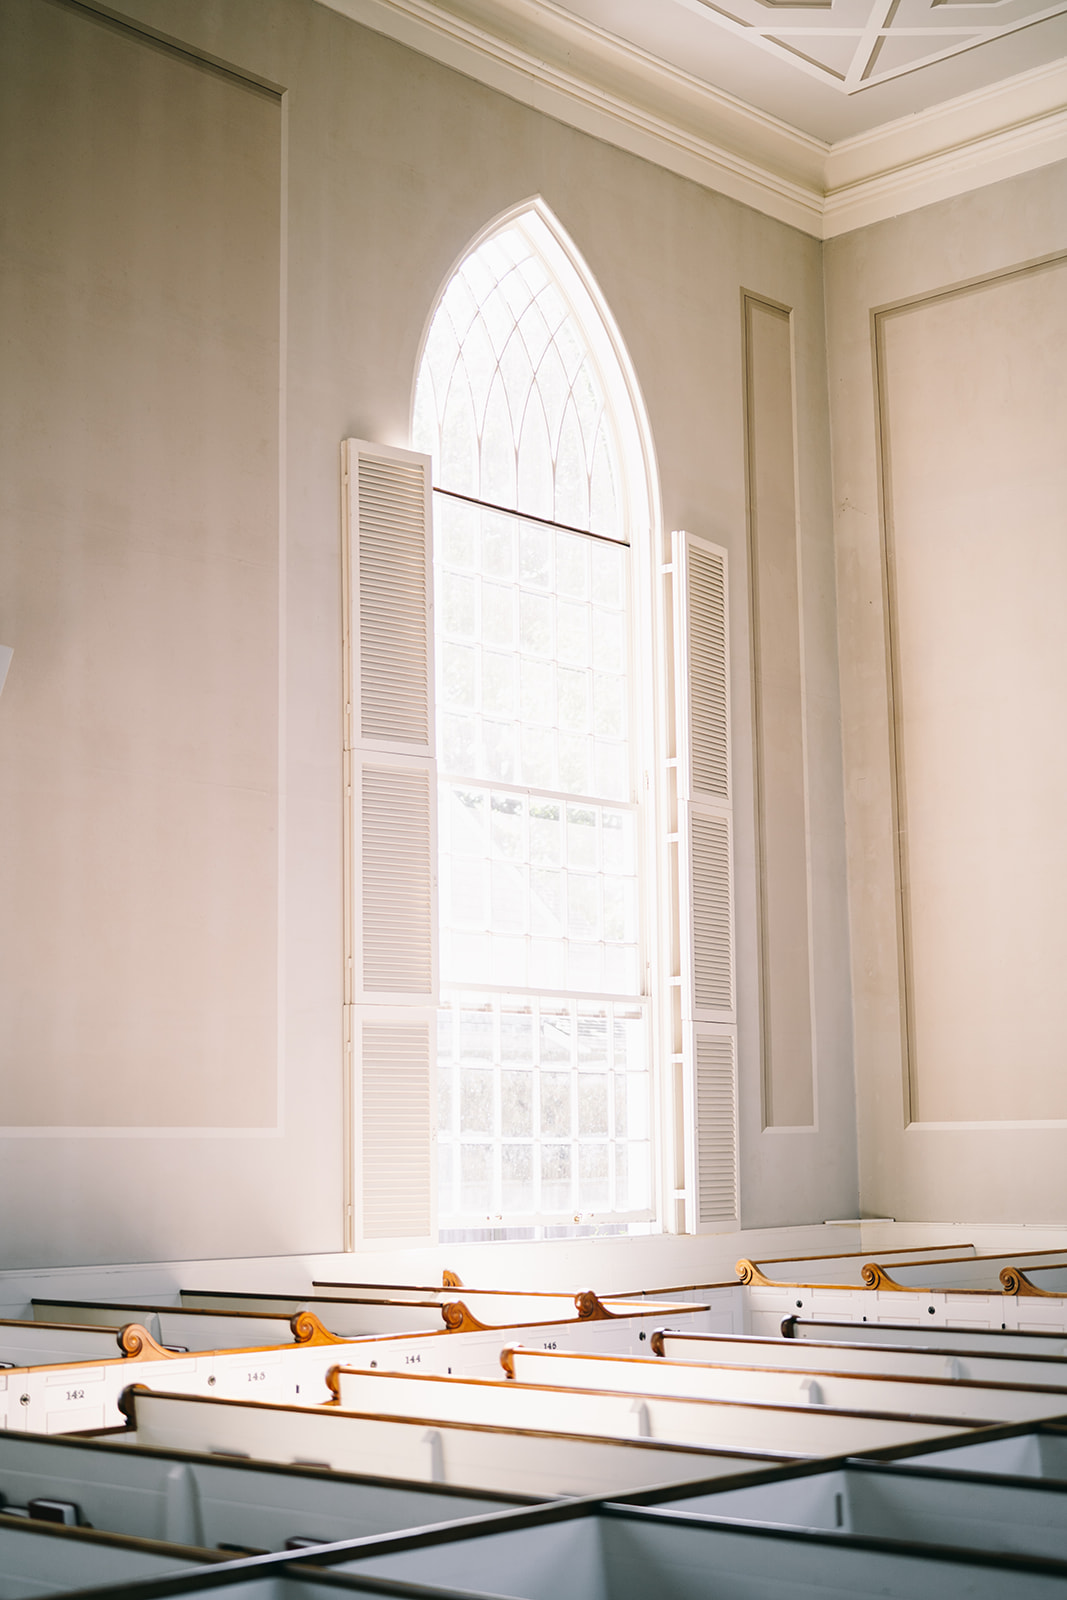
517	1188
556	1177
476	1101
516	1104
593	1104
555	1103
593	1189
565	1083
476	1175
538	1084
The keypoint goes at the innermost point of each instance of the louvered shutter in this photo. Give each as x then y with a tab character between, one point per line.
390	843
708	1018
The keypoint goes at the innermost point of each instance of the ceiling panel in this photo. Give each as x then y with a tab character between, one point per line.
836	68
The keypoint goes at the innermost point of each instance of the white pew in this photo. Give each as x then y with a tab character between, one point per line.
78	1396
979	1403
996	1341
809	1355
963	1274
527	1461
504	1308
37	1344
255	1580
476	1353
1027	1278
351	1317
347	1318
634	1558
727	1424
209	1502
768	1306
884	1502
629	1553
845	1268
186	1329
1038	1451
41	1558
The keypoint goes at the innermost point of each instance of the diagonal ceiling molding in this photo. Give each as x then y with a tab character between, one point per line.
546	58
852	47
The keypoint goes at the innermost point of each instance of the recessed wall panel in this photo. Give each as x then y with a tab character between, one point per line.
785	970
974	419
139	581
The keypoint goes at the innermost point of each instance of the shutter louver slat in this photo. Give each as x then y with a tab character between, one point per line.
716	1126
395	1106
391	795
709	704
713	975
709	1035
394	650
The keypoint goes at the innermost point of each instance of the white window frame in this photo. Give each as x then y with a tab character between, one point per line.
693	1055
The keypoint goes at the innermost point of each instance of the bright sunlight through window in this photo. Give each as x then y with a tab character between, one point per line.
543	1032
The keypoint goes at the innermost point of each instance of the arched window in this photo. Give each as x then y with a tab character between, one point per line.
525	401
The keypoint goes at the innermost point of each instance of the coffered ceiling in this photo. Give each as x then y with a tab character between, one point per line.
827	114
834	68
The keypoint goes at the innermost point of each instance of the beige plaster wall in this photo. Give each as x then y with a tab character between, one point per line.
947	332
389	164
139	567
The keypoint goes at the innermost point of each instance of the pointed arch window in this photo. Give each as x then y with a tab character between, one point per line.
543	1041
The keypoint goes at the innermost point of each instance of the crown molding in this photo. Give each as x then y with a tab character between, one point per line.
955	171
543	57
962	144
583	77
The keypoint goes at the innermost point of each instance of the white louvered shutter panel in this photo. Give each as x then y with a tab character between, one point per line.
705	879
714	1056
394	1111
390	842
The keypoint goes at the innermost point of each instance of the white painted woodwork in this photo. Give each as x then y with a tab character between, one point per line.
729	1424
707	1020
950	749
34	1560
981	1273
204	1502
940	1396
532	1461
940	1361
1027	1520
79	1396
29	1344
849	1268
995	1340
1032	1453
628	1555
391	964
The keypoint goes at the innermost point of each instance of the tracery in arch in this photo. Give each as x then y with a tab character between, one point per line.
509	400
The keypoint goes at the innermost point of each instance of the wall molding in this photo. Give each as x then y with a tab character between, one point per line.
547	59
905	941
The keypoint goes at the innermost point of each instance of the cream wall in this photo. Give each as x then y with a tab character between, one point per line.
381	165
947	331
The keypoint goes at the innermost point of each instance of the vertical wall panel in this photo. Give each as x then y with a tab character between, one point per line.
139	569
974	421
785	964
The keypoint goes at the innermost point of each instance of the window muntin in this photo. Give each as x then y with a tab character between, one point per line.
539	836
543	1108
509	402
